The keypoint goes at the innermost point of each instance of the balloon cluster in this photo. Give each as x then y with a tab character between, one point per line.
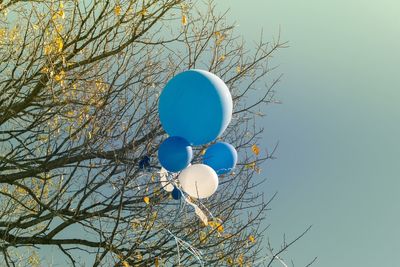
195	108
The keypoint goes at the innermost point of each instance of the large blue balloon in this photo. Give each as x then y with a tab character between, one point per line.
175	153
195	105
221	156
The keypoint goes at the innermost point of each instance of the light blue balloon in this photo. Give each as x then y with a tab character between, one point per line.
175	153
195	105
221	156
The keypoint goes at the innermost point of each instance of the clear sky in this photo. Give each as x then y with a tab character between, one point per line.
338	160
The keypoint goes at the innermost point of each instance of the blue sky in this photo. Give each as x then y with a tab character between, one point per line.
338	127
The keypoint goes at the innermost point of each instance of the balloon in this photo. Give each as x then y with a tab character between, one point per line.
175	153
165	184
144	163
221	156
176	193
198	180
196	105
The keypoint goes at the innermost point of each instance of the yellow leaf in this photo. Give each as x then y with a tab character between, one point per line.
240	260
252	239
221	58
125	264
220	229
216	224
61	14
184	20
212	224
146	200
60	76
48	49
202	152
34	260
203	237
138	256
184	7
143	12
21	191
238	69
255	149
59	27
250	165
219	38
60	45
44	70
117	10
156	262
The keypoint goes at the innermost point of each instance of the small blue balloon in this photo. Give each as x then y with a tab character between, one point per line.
176	193
195	105
221	156
144	163
175	153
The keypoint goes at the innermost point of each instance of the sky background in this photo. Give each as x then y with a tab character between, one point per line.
338	127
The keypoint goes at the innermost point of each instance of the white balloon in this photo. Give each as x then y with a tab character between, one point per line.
164	181
198	180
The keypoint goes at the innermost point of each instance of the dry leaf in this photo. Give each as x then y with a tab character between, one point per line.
255	149
238	69
143	12
215	224
203	237
252	239
117	10
219	38
184	20
60	76
251	165
240	260
61	14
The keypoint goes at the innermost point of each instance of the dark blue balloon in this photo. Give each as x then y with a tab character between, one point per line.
195	105
176	193
221	156
175	154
